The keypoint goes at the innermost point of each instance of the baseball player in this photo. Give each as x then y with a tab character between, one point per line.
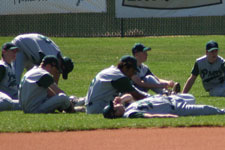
32	48
211	69
158	106
8	87
38	93
109	83
145	79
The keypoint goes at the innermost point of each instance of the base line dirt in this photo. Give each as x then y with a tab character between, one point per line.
204	138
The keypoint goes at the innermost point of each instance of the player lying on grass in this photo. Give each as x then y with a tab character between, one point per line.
158	106
145	79
8	86
38	92
211	68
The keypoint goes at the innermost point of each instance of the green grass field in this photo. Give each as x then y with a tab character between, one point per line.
170	58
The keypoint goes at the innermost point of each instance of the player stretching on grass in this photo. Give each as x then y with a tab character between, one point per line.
32	48
38	92
158	106
111	82
211	68
145	79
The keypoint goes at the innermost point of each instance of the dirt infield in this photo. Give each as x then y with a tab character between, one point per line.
121	139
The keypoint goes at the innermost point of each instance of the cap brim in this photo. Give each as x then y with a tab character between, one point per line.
212	49
146	49
65	75
13	48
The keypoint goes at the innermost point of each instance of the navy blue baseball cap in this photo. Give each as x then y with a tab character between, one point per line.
212	45
138	47
9	46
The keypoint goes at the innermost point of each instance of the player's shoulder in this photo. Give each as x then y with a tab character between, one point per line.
220	58
202	58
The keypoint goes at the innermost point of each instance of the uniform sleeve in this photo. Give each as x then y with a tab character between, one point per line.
136	115
2	72
223	67
45	81
123	85
195	70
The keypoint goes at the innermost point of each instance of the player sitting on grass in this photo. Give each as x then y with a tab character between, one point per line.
38	92
145	79
211	68
158	106
8	86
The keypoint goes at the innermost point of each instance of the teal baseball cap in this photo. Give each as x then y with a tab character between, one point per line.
52	60
108	111
9	46
212	45
138	47
131	61
67	66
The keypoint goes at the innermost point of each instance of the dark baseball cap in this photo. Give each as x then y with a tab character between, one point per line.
67	66
212	45
130	60
138	47
52	60
9	46
108	111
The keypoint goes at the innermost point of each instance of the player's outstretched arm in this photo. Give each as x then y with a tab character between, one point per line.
189	83
147	115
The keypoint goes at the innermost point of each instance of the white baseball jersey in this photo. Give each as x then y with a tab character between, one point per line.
102	90
8	82
211	74
33	89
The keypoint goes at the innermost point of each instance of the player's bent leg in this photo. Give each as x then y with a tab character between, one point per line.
218	91
152	80
96	107
184	97
6	103
60	101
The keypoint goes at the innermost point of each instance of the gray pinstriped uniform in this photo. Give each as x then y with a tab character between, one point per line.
212	75
8	89
33	97
181	105
30	46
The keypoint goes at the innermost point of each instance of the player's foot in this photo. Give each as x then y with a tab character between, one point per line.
80	108
77	101
176	88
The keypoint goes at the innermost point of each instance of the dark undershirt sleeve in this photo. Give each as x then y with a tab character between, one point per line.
45	81
195	70
2	72
123	85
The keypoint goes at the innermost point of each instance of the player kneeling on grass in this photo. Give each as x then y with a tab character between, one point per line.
158	106
38	93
